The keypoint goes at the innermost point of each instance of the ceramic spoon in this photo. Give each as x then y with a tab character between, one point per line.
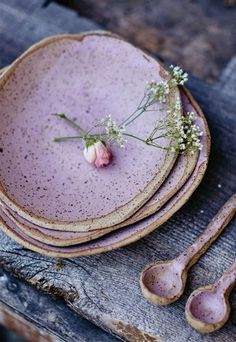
164	282
208	307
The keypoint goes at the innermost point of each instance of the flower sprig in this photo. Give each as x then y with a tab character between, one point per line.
115	133
178	77
184	134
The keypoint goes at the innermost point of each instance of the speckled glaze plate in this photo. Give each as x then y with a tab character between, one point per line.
132	232
51	184
182	170
60	238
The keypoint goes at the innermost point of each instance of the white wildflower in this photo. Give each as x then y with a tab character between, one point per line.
193	133
178	76
113	132
157	92
185	134
176	108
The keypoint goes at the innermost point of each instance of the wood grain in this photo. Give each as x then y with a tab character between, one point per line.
37	317
23	23
198	35
104	288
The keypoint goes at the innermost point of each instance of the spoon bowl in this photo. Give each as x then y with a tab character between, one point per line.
207	310
163	282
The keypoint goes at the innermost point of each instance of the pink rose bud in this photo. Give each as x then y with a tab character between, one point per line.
98	154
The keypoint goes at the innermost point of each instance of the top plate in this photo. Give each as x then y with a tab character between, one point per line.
87	77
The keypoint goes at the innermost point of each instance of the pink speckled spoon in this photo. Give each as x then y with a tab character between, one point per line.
208	307
164	282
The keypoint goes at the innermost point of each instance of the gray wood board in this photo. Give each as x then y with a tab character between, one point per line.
227	82
49	315
104	288
23	23
203	46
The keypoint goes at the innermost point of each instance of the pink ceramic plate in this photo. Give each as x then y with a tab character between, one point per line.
133	232
87	77
178	176
60	238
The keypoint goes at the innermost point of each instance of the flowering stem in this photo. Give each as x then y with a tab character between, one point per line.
177	127
134	136
160	136
68	138
71	122
146	141
147	104
158	146
124	122
136	110
86	136
140	113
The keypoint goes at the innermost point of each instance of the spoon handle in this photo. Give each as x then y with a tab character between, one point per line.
228	279
212	231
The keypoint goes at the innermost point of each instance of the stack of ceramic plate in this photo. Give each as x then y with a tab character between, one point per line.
52	200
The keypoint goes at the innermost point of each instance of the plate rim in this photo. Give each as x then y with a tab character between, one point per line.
151	227
126	210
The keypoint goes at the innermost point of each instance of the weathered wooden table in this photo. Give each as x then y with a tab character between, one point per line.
104	288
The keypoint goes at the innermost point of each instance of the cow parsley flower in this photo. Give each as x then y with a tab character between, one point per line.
193	133
186	135
113	131
178	76
157	92
180	128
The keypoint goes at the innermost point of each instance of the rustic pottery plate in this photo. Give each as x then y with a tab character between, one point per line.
60	238
85	76
135	231
178	176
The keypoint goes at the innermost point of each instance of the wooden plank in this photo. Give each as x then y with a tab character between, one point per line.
199	35
227	81
24	23
230	3
36	317
22	327
104	288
